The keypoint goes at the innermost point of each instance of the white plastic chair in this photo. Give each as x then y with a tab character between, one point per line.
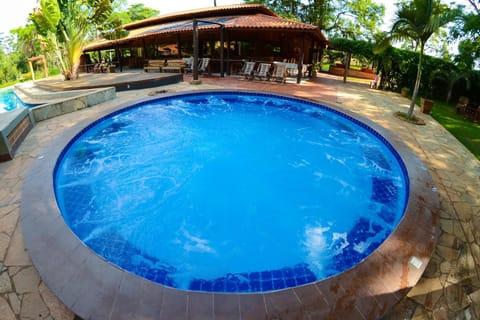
247	69
262	72
280	72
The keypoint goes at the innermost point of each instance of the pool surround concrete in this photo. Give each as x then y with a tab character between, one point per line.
95	289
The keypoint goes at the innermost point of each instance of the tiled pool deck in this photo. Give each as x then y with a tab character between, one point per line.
450	286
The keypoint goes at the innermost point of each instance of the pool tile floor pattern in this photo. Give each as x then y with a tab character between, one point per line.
448	289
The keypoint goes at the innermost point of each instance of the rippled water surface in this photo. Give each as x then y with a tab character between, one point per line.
231	192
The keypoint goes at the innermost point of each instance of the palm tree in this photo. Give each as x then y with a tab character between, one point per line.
64	27
418	20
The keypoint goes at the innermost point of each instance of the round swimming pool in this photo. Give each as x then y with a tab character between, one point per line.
231	192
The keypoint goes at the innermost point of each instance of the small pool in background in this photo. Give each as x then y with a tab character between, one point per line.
10	101
231	192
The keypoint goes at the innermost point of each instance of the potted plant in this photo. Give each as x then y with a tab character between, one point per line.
405	92
427	102
437	82
426	105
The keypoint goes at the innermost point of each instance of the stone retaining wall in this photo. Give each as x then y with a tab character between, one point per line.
53	109
338	71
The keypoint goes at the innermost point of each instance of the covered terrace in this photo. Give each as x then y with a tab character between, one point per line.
228	35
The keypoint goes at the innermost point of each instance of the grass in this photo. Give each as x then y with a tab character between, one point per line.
8	84
466	131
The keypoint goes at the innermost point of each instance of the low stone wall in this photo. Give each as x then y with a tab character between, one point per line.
338	71
78	102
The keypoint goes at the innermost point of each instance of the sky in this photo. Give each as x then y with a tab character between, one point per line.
16	16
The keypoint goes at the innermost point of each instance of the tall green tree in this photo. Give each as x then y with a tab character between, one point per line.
121	15
353	19
468	31
417	20
64	27
7	69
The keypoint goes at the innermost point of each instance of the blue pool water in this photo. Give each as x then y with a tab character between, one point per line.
9	101
231	192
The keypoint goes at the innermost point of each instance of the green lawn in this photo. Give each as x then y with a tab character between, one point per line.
466	131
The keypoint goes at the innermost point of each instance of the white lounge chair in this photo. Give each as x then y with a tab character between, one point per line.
263	71
188	64
280	72
203	66
247	70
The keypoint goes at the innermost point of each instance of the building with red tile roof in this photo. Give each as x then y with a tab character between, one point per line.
250	32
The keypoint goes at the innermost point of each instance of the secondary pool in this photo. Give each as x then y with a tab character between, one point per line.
231	192
9	101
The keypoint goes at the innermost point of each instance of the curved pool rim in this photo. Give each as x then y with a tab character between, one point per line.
94	288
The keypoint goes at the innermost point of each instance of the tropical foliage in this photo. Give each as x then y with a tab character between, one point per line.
418	20
442	80
112	27
351	25
359	47
467	31
353	19
63	28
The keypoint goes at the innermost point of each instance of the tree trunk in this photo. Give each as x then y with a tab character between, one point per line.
417	82
347	66
450	89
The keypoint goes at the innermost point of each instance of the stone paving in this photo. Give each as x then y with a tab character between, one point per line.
450	286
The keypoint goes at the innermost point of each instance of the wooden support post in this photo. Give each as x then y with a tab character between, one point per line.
347	66
31	69
195	50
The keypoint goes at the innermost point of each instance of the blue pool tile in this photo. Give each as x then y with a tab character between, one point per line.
278	284
231	286
196	284
241	282
84	155
266	275
299	270
375	155
156	275
384	191
376	227
301	280
290	282
113	128
254	276
243	286
255	286
277	274
169	282
387	215
288	273
231	283
207	286
267	285
310	277
360	232
219	285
